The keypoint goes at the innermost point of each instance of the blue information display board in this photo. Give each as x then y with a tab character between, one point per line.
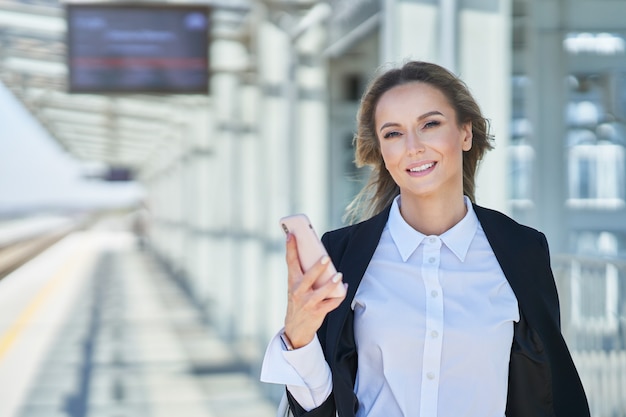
115	48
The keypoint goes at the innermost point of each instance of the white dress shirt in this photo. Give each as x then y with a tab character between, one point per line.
433	327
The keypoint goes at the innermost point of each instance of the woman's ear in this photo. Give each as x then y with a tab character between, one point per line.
467	136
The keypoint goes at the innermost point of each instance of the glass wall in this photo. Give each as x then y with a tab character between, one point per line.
594	133
596	139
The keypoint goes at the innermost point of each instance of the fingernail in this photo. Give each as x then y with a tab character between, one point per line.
325	260
337	277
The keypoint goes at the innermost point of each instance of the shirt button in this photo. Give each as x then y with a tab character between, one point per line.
434	293
432	240
430	376
431	260
434	334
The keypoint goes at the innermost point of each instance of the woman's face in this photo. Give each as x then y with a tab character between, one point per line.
421	143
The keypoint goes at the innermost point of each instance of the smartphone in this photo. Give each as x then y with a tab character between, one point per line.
310	248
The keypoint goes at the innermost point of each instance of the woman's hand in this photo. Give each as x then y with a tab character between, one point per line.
307	307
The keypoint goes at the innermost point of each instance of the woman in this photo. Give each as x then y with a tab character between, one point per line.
451	308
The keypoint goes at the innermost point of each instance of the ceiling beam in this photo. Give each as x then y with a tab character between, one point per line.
92	136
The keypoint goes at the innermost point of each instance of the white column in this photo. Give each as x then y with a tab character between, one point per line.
228	170
223	190
273	45
547	73
252	244
484	63
312	167
409	32
198	199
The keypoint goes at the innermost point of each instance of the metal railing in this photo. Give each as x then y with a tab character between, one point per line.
593	316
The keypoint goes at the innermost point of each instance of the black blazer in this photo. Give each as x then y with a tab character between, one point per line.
542	378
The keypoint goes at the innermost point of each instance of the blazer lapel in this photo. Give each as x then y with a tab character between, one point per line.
524	264
354	262
503	241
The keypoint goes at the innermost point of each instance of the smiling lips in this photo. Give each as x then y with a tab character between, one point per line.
421	168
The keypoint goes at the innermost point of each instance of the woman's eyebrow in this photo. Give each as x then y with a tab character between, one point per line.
389	124
430	113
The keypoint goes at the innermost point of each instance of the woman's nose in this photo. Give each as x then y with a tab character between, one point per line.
413	144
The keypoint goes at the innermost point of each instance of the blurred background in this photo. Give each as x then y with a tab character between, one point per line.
148	149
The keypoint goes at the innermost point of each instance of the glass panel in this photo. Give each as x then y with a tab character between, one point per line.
521	154
595	114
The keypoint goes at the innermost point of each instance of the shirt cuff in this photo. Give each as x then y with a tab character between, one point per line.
304	370
305	366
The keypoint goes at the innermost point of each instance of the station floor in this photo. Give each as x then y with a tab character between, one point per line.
93	328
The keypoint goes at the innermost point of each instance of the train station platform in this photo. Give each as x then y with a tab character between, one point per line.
94	327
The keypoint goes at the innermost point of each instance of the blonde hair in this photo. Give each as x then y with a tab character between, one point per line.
381	189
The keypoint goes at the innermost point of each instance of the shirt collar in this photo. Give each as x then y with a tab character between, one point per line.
457	239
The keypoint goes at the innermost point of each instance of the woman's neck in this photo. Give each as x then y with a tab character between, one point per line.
432	216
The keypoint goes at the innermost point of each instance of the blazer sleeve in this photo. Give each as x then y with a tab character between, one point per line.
328	408
555	310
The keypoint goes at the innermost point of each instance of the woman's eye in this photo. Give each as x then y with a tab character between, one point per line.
391	134
432	123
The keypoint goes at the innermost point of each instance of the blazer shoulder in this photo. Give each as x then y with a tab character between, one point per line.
493	220
337	241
